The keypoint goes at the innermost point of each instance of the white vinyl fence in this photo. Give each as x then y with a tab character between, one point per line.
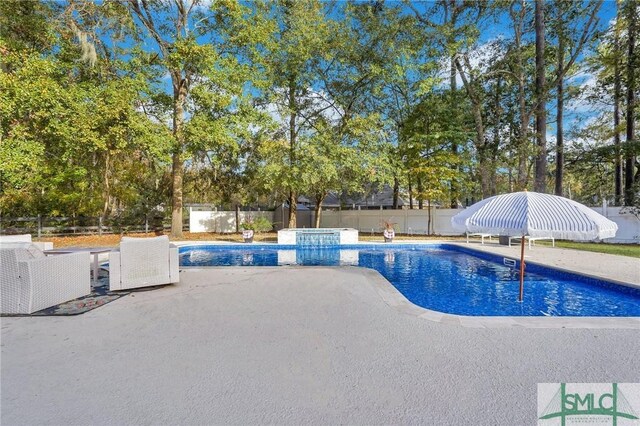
411	222
221	221
628	225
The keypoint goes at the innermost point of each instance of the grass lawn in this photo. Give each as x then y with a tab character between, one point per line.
112	240
632	250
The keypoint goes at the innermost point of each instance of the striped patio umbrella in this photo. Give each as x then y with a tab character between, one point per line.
536	215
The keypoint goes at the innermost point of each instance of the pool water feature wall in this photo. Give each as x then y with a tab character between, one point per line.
331	238
317	236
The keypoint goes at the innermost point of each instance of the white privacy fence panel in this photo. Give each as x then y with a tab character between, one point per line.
442	222
221	221
413	222
628	224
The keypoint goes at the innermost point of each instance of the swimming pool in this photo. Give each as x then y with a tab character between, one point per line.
445	278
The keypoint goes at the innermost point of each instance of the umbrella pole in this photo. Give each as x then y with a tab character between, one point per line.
521	268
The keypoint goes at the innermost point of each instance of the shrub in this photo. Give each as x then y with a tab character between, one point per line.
262	224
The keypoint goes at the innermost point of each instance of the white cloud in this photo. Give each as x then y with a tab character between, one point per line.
314	101
480	58
202	5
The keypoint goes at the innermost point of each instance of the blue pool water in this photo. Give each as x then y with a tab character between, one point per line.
446	278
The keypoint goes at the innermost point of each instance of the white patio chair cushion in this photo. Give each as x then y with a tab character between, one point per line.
24	250
21	238
25	238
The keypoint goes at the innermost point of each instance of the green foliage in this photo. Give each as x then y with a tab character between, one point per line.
72	138
248	225
259	224
257	101
427	136
262	224
24	25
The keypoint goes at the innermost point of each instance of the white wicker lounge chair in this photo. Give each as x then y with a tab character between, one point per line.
533	240
25	238
143	262
31	281
482	236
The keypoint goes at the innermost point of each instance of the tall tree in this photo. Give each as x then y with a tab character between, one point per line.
359	53
564	15
632	64
518	11
178	28
431	161
298	46
453	25
328	138
452	10
183	59
560	30
617	99
540	181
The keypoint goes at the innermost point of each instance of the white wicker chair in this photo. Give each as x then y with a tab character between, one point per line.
143	262
31	281
25	238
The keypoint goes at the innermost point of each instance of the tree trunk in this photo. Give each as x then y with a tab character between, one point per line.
177	170
176	212
631	89
396	192
495	146
237	218
541	109
429	217
293	198
617	96
106	188
484	166
523	138
522	149
410	188
479	142
454	144
559	117
451	12
420	192
318	209
293	209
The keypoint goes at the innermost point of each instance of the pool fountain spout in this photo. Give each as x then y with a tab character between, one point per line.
323	237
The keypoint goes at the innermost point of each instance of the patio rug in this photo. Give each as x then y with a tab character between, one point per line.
100	295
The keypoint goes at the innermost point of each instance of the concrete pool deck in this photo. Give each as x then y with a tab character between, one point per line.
288	345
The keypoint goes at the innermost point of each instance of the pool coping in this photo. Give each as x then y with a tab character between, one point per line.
396	300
